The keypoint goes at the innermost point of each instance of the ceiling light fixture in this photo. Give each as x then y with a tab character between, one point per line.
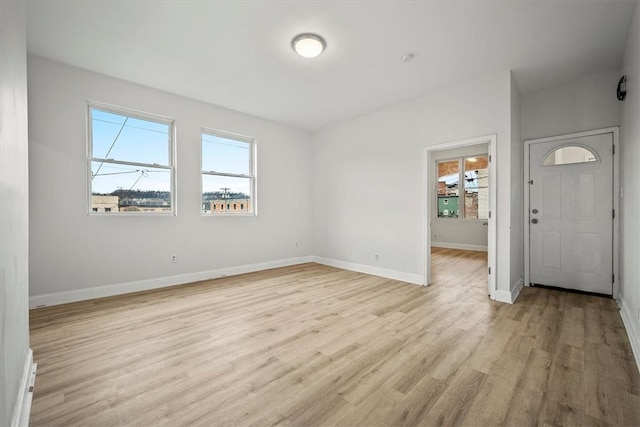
407	57
308	45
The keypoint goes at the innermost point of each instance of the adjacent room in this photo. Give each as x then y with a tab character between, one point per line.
366	213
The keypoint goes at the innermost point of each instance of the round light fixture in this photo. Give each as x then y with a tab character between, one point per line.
308	45
407	57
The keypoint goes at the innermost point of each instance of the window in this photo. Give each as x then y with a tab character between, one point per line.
448	191
228	173
476	187
468	176
130	161
568	155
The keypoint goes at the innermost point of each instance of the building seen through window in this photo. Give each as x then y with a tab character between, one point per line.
463	188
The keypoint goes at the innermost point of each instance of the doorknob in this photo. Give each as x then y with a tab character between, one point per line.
534	211
534	221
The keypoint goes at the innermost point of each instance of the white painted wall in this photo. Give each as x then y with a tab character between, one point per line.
14	207
629	292
368	175
586	103
72	252
463	233
516	277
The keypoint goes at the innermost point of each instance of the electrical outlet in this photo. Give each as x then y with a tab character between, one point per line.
174	258
376	256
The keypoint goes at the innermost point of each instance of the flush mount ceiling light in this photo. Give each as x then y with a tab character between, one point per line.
407	57
308	45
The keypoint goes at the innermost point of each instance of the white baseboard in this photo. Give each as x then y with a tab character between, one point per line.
22	410
462	246
631	326
510	296
161	282
375	271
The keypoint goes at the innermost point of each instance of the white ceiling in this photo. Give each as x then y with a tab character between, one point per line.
237	54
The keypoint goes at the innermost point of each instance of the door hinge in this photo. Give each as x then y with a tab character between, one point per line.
613	214
489	214
489	270
613	278
613	148
489	157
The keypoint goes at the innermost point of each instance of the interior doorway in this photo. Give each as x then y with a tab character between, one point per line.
460	200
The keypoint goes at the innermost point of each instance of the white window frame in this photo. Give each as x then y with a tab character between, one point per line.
253	187
461	188
171	167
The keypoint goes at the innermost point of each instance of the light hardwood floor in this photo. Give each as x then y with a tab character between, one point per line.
314	345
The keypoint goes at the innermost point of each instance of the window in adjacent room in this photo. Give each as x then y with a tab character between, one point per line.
131	162
448	188
476	187
463	187
228	173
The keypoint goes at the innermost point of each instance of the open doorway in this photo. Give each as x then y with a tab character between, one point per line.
459	207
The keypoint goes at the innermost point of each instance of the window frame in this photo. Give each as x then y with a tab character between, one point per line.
253	186
171	167
461	187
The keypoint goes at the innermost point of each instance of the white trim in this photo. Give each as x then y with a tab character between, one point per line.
156	283
616	207
616	198
510	296
402	276
162	282
253	168
136	114
633	331
22	410
462	246
491	140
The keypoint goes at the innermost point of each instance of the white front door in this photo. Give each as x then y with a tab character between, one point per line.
571	213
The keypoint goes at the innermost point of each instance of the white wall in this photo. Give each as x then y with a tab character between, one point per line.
517	192
586	103
76	254
368	175
629	293
462	233
14	207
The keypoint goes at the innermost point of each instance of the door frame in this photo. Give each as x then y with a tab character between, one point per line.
428	205
616	198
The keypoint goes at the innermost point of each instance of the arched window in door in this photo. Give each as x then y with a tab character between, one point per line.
569	154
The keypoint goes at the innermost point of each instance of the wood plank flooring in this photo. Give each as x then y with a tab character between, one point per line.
313	345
